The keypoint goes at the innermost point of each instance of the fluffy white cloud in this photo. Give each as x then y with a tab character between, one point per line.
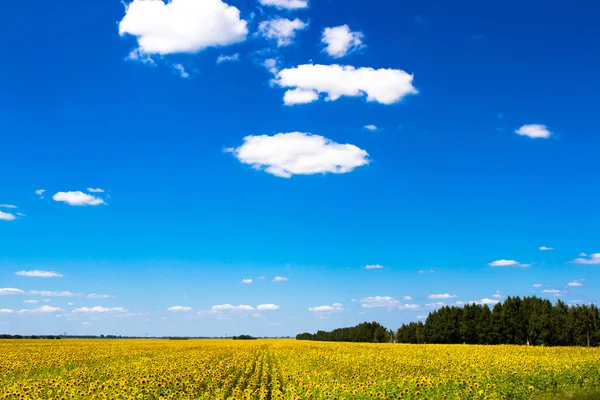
371	128
181	71
508	263
6	311
246	280
78	199
544	248
378	302
96	190
280	279
272	64
41	310
39	274
497	296
340	41
267	307
592	259
281	29
442	296
231	308
299	96
4	216
335	307
297	153
537	285
98	296
10	291
47	293
223	58
534	131
40	192
180	309
182	26
285	4
489	302
30	301
385	86
576	283
407	298
555	292
98	310
8	206
373	266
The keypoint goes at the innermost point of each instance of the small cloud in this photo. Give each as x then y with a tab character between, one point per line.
436	304
4	216
285	4
267	307
10	291
374	266
341	41
441	296
489	302
30	301
508	263
544	248
181	71
231	308
592	259
426	271
334	308
272	64
299	96
21	214
232	58
280	279
39	274
552	291
180	309
99	310
7	206
576	283
98	296
40	192
282	30
246	280
497	296
77	199
46	293
407	298
421	316
6	311
371	128
96	190
41	310
537	285
70	303
534	131
378	302
262	277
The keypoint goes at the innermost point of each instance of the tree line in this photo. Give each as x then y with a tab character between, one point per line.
531	320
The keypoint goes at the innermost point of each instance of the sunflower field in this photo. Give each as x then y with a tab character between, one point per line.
287	369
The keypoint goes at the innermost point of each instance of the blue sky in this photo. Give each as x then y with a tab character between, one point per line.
440	144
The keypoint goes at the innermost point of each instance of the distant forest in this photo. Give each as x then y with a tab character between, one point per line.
530	320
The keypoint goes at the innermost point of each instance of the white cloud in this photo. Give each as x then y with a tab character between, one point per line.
508	263
592	259
96	190
407	298
30	301
299	96
70	303
98	296
378	302
223	58
21	214
10	291
437	304
272	64
441	296
486	301
229	307
426	271
497	296
280	279
335	307
39	274
4	216
182	26
341	41
552	291
78	198
179	68
6	311
46	293
285	4
575	283
180	309
373	266
413	307
99	310
544	248
297	153
246	280
534	131
385	86
41	310
537	285
281	29
267	307
40	192
371	128
7	206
